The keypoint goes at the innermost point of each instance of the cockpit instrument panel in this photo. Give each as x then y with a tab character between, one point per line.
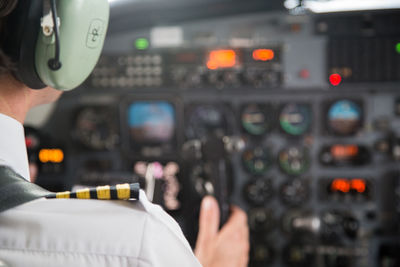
301	114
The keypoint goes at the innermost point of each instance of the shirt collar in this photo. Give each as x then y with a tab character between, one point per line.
13	151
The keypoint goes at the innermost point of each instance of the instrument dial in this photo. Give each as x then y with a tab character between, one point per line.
258	191
261	255
295	119
339	224
297	254
256	161
294	161
95	128
295	192
261	220
257	119
344	117
206	119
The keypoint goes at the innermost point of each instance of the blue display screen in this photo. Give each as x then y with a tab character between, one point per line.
344	110
151	121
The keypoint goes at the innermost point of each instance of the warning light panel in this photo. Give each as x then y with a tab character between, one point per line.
218	59
345	186
263	54
340	185
345	155
346	190
344	151
358	185
53	155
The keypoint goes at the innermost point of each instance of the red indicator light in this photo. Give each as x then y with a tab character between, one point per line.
344	151
304	74
358	185
340	185
221	59
28	142
263	54
335	79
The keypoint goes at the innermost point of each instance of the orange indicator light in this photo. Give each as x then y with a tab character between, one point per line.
344	151
51	155
221	59
340	185
358	185
263	54
345	185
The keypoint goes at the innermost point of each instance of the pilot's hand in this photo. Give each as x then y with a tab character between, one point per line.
228	247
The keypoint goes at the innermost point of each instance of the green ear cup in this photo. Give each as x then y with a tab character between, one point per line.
83	29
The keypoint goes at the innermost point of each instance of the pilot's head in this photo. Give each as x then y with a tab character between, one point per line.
6	7
9	84
48	44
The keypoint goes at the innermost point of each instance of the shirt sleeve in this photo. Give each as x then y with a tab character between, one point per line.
161	247
163	243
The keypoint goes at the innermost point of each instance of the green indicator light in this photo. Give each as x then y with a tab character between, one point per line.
142	44
398	48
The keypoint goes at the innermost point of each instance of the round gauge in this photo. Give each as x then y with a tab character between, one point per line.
344	117
256	161
295	119
95	128
256	119
261	220
337	224
261	254
294	161
205	120
258	191
294	192
298	254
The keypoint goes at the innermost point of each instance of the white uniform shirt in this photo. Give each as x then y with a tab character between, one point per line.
12	146
80	233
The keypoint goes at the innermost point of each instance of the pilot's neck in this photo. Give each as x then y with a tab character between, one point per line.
15	98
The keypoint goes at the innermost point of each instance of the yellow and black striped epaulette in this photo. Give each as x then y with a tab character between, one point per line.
115	192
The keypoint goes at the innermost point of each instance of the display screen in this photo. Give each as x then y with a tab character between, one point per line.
151	121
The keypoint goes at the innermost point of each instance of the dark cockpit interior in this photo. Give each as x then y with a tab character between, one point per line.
284	108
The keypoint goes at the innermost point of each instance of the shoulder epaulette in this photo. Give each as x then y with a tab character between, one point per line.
115	192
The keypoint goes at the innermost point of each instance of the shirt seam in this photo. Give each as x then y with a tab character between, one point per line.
177	236
68	253
167	225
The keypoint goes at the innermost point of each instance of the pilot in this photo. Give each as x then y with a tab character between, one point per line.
35	231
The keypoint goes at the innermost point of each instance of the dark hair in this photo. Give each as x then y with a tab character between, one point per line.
6	7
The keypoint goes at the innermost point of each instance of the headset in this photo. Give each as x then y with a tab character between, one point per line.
55	43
